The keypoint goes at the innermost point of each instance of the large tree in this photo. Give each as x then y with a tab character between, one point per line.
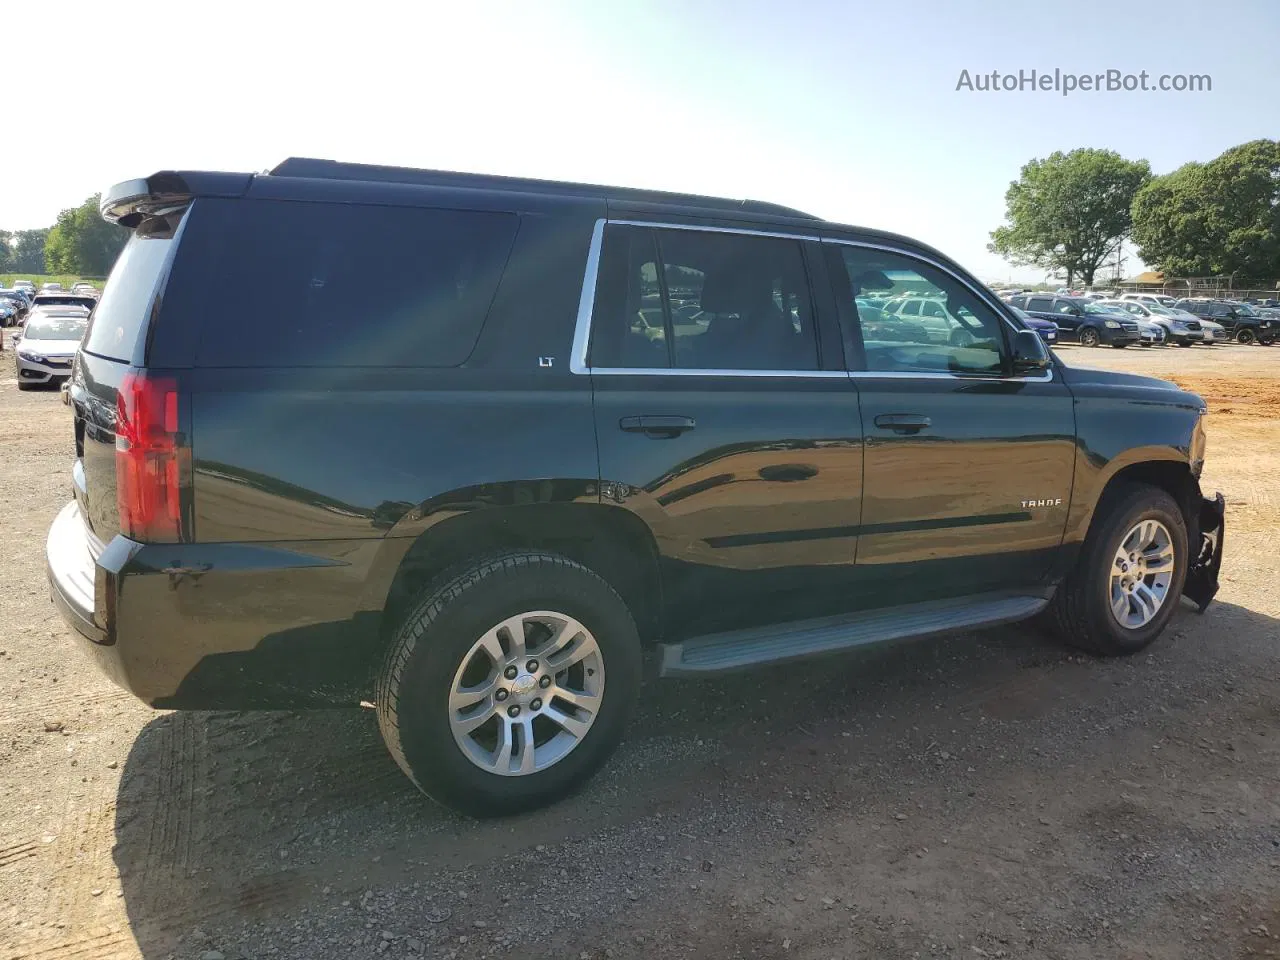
6	250
1214	219
28	251
81	242
1069	212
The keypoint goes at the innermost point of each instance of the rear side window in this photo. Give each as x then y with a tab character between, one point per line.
121	317
346	285
701	300
1040	303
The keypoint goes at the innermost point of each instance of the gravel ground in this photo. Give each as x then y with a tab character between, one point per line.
984	795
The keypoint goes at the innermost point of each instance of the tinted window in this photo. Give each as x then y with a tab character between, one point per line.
1019	301
1065	306
121	316
723	302
1040	303
349	285
970	338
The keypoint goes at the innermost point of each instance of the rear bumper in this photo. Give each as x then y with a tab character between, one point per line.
1202	579
222	626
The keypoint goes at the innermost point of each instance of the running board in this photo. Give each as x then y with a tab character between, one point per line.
739	649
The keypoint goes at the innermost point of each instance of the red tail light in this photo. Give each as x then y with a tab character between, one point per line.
148	478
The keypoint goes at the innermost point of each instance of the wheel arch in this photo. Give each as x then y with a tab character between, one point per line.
609	540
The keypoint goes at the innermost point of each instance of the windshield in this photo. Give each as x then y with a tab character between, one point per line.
1096	309
1162	311
55	328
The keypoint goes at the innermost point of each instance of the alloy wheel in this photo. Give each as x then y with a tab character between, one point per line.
1141	574
526	693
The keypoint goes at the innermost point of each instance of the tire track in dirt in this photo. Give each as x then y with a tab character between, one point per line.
49	707
103	943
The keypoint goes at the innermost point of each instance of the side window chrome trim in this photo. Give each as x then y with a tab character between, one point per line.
587	301
989	301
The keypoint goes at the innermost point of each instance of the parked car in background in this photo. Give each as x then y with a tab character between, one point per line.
18	303
1152	334
8	312
55	299
87	289
1047	329
1179	327
1241	322
248	524
25	285
51	287
1082	320
48	344
1153	298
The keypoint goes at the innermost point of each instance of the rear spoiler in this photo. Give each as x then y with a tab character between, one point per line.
130	202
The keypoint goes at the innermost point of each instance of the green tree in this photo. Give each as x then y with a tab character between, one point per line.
82	242
1216	218
6	251
1069	212
28	251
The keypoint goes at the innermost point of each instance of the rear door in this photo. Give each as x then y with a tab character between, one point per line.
967	471
726	420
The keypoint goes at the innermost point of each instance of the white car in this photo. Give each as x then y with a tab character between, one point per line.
47	346
1151	299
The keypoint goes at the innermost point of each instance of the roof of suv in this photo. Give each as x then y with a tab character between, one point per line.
335	170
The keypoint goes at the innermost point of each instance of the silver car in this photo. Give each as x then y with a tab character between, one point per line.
48	344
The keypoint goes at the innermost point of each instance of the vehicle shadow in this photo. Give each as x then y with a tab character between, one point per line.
226	818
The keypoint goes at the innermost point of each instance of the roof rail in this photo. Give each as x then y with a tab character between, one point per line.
334	170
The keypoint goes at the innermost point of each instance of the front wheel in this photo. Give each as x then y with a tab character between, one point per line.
1245	336
1184	343
1129	576
1088	337
509	684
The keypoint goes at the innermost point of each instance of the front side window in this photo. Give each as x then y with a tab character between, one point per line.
701	300
957	332
1066	307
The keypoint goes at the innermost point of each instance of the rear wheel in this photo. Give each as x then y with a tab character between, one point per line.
1129	575
1184	343
509	684
1245	335
1088	337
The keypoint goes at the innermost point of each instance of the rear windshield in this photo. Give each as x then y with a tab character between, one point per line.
121	314
64	300
55	328
349	285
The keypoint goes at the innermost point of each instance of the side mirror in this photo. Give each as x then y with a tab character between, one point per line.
1030	355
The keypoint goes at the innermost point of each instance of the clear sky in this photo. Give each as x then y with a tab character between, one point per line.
846	109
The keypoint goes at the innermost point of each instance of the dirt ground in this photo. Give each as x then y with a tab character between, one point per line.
984	795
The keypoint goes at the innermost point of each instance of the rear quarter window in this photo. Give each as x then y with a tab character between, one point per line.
301	284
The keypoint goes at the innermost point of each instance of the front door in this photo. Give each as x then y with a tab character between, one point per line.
726	421
967	475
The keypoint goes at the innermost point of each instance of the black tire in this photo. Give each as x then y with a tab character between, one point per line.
1245	335
1080	613
24	386
1118	346
413	686
1184	343
1266	341
1088	337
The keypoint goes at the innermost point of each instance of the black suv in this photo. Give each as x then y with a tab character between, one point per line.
578	423
1082	320
1241	321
